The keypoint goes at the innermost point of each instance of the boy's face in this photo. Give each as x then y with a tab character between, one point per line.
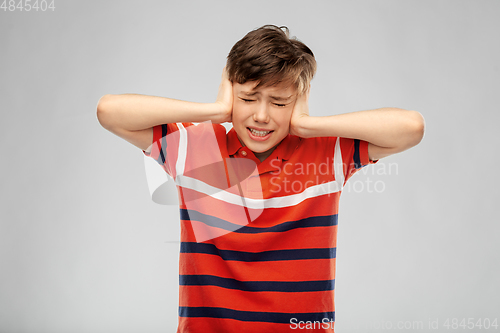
261	117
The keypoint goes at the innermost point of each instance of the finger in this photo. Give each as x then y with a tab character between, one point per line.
308	90
302	97
224	73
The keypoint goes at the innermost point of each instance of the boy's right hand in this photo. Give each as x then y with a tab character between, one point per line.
225	98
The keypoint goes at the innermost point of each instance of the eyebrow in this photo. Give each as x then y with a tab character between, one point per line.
250	93
277	98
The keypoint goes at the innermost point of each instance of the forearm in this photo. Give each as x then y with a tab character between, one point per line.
385	127
135	112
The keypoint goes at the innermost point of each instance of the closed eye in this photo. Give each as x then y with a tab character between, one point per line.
246	100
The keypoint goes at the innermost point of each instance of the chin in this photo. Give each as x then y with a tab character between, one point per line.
259	148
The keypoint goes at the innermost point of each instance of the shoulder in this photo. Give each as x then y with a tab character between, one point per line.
316	142
202	135
326	147
311	148
207	128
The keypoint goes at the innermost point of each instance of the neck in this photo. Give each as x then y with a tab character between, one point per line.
262	156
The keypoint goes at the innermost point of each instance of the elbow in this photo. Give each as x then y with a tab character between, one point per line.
103	111
416	128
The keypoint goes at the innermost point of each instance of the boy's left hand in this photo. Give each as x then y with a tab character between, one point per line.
299	113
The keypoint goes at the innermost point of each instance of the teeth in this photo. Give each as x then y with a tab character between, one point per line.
259	133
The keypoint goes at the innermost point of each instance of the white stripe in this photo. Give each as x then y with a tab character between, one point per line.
276	202
181	155
217	193
338	165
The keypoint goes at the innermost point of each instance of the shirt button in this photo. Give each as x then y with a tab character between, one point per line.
243	153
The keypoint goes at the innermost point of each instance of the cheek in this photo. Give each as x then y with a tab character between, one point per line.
283	118
238	117
241	111
236	113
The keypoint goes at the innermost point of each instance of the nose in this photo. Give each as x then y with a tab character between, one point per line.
261	114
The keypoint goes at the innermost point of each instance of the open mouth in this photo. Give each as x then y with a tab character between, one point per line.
258	134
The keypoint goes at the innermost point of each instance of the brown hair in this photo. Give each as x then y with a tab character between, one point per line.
269	56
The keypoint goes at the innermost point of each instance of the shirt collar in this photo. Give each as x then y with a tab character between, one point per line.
233	143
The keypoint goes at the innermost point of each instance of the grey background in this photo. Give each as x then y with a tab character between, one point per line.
83	248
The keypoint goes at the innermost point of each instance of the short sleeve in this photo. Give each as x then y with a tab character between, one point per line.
154	150
354	155
165	146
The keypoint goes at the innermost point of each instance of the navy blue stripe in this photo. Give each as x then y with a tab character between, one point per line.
193	215
163	143
274	255
266	317
257	286
356	158
310	222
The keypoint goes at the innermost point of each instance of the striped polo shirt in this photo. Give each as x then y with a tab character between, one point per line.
258	239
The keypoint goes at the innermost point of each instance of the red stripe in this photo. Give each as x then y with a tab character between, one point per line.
297	270
299	238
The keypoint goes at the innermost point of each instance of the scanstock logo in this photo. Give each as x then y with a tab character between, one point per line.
217	195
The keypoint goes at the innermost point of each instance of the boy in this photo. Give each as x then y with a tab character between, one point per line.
258	204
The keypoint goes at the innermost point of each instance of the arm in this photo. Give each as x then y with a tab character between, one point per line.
132	117
387	130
